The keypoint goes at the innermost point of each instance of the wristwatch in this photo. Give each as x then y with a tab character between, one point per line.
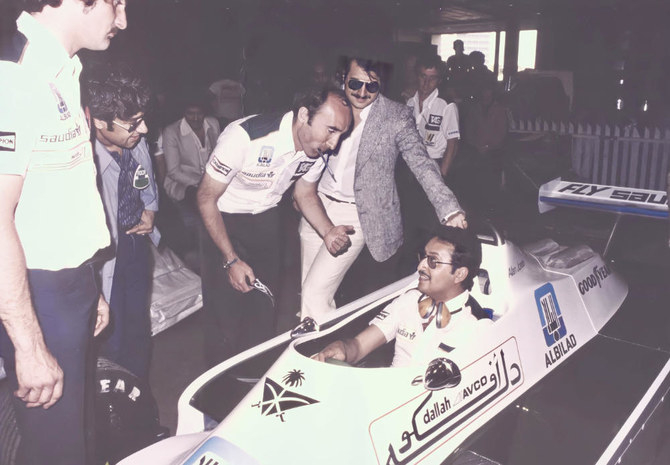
227	265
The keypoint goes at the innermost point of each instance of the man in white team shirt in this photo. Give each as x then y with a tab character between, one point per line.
436	120
439	312
255	161
52	223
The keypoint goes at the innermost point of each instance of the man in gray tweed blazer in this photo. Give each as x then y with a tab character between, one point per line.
358	189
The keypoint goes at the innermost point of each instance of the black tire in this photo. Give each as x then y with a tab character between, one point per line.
126	415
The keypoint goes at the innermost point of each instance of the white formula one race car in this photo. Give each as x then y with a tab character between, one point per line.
544	383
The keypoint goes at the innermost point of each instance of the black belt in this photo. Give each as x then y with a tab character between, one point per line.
338	200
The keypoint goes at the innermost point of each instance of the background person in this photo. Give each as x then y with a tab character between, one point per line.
117	100
52	223
186	146
436	120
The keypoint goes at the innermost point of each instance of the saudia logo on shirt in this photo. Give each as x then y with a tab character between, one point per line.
140	178
62	106
265	157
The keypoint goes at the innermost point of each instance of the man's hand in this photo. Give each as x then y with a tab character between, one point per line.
102	318
336	350
337	239
240	276
39	376
146	224
458	220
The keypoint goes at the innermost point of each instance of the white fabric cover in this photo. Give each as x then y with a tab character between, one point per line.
176	292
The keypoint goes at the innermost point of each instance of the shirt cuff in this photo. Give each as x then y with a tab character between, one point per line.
446	219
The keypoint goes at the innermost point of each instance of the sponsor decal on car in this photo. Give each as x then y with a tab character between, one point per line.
277	400
294	378
433	415
595	279
209	453
553	325
7	141
512	270
609	192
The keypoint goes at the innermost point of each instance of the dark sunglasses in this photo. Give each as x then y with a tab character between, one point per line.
432	261
133	126
355	84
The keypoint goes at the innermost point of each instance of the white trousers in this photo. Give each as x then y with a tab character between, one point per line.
321	272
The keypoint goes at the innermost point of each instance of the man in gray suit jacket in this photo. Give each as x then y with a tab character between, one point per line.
358	189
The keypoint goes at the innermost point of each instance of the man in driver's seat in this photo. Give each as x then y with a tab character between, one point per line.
438	313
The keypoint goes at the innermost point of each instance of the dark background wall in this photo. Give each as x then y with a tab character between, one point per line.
270	43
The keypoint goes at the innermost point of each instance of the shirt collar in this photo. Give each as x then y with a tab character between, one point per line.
104	156
286	133
430	99
458	302
186	129
50	54
365	112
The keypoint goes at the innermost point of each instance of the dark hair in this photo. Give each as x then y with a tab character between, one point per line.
113	90
458	42
467	250
430	61
35	6
380	68
313	97
195	97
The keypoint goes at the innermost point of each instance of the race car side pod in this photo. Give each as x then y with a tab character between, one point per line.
614	199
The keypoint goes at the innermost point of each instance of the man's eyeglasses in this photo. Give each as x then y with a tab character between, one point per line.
432	261
355	84
133	126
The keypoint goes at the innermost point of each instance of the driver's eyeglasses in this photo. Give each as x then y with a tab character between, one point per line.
431	260
355	84
133	126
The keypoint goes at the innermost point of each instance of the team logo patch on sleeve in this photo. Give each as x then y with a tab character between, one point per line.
434	122
220	167
7	141
302	168
140	178
265	157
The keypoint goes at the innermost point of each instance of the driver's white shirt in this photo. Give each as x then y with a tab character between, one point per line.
401	320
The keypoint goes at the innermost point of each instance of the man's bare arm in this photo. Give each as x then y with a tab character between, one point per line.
353	350
310	205
208	194
40	378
